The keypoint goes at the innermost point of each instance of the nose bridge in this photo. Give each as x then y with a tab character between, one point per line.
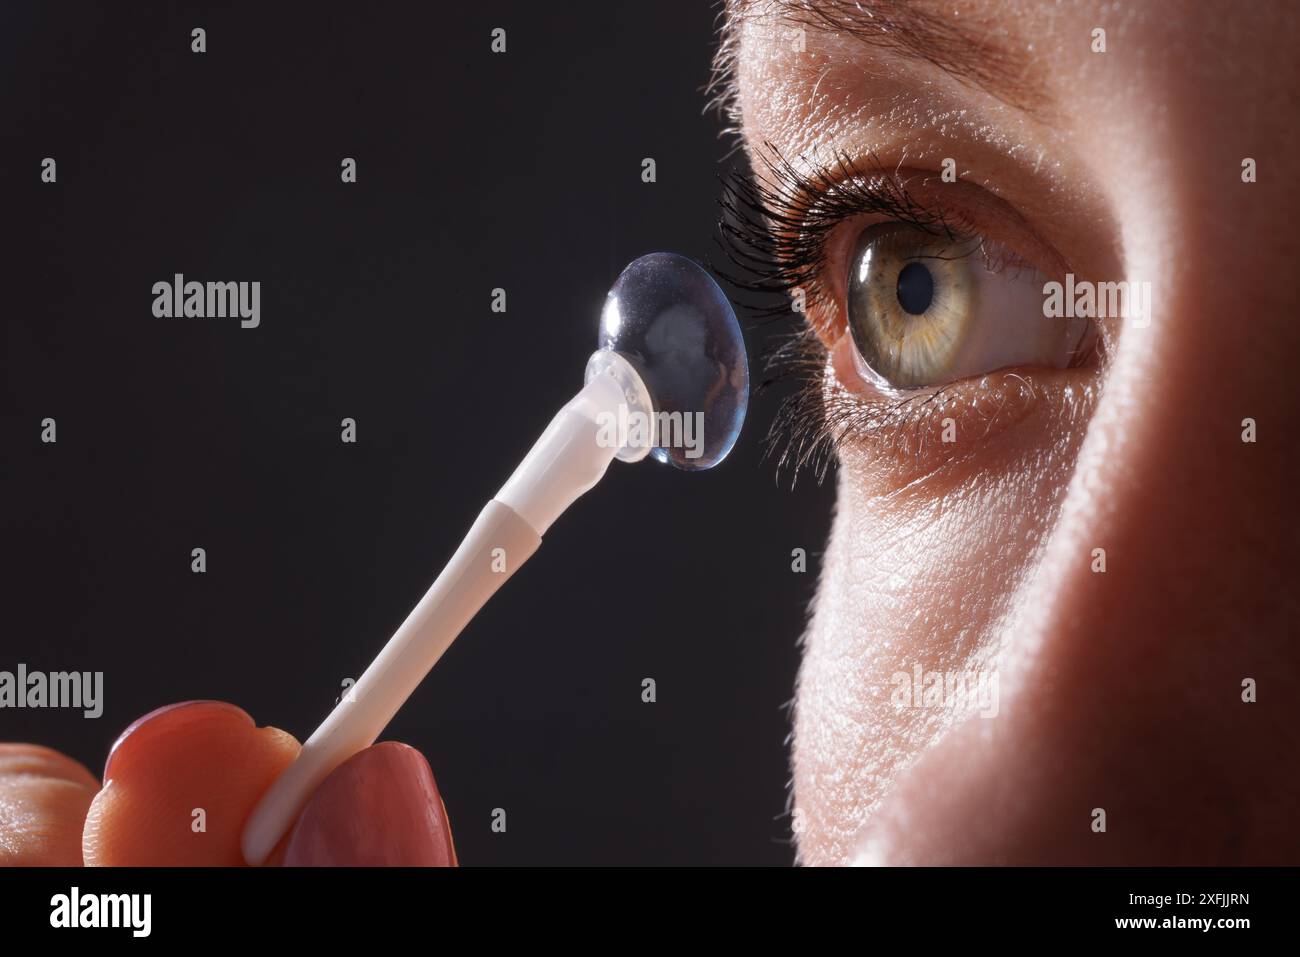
1167	587
1186	476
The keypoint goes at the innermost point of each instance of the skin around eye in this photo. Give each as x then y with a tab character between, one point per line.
888	442
956	275
926	309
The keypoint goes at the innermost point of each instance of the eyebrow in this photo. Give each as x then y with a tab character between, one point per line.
964	49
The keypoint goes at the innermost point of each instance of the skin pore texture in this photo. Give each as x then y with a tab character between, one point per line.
1120	691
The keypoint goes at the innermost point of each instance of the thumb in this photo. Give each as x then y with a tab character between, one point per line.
380	808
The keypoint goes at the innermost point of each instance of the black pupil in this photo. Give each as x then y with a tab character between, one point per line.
915	288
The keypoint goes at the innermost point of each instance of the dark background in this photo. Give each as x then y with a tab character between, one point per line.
475	171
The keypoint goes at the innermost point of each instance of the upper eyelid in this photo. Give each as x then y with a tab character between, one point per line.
962	209
784	219
1005	237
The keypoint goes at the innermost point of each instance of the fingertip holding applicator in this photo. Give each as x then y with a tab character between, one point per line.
669	380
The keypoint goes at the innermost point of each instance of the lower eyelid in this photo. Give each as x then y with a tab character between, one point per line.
900	438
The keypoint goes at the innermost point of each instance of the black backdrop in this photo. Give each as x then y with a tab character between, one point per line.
475	171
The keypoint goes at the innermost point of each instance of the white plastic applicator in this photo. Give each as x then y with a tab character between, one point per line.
670	379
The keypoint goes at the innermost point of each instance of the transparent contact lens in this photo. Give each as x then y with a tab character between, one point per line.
670	320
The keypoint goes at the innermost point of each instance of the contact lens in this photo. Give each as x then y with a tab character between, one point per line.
670	320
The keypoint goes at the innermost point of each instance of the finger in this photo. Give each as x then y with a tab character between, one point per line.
43	800
380	808
179	784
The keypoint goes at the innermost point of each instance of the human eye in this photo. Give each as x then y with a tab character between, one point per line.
925	309
925	296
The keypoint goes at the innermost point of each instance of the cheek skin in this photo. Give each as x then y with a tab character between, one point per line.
929	544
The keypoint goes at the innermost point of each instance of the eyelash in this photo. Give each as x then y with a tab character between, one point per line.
776	224
775	227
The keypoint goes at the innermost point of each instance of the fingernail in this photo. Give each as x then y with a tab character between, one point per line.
380	808
145	723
